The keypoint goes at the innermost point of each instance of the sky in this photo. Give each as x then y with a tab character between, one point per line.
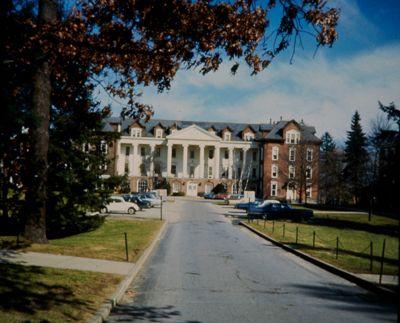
324	90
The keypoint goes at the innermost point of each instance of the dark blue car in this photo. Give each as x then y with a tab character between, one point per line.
279	211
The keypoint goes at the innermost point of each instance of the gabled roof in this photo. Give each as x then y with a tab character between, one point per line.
275	130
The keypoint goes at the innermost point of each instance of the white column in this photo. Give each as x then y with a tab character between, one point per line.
216	163
230	166
152	152
169	159
133	161
185	160
119	159
201	161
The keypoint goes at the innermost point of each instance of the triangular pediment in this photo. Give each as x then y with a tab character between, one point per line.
193	132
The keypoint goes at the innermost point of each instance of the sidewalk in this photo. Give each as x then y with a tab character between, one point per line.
65	262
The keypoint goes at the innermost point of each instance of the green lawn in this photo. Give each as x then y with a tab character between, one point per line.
36	294
352	232
106	242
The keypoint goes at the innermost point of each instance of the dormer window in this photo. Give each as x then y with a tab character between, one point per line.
159	133
248	136
136	132
292	137
227	136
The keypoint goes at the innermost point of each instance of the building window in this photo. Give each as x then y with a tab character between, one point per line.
241	155
249	136
157	168
191	171
211	154
127	150
210	172
192	154
227	136
136	132
291	172
142	185
292	154
159	133
143	170
142	151
103	147
274	171
226	154
309	154
254	172
173	152
224	172
274	188
254	156
126	169
158	152
308	172
173	170
275	153
309	192
292	137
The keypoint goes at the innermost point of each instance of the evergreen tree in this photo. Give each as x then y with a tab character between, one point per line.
355	158
330	171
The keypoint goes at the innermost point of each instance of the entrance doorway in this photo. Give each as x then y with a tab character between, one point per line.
191	189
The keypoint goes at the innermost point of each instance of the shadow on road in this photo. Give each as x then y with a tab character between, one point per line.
129	312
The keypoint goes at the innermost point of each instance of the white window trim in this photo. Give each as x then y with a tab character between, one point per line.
274	171
159	133
275	153
292	157
274	191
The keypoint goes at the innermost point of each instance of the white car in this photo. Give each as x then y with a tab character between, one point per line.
116	204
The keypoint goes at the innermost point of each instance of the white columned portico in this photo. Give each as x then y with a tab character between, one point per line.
185	160
230	166
169	159
216	164
201	161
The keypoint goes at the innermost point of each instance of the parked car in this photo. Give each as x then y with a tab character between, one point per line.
150	197
209	196
138	200
246	205
280	211
221	196
117	204
236	196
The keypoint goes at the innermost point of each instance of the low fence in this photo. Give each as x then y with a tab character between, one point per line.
290	234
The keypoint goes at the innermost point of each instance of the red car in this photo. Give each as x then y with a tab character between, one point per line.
221	196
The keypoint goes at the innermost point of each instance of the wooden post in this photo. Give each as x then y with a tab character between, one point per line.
382	260
126	246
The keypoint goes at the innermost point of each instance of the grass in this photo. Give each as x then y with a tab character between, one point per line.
355	233
106	242
35	294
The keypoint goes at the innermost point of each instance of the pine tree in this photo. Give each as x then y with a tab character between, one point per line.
355	158
330	171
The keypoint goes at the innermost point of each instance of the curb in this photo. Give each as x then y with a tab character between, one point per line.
105	309
379	290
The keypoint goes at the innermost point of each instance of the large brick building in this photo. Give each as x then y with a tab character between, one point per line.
196	156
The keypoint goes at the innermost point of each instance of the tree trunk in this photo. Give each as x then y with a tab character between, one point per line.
36	196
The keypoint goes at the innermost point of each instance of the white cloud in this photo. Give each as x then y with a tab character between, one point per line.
325	93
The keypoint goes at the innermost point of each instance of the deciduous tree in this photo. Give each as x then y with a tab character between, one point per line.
131	43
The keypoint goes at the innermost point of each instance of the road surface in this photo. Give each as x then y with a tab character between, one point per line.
208	270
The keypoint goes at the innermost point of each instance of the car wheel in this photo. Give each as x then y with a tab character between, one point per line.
103	210
131	210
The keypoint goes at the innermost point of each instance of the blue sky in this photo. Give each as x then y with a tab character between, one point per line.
324	90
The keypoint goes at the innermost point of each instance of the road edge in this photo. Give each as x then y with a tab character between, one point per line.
379	290
105	309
